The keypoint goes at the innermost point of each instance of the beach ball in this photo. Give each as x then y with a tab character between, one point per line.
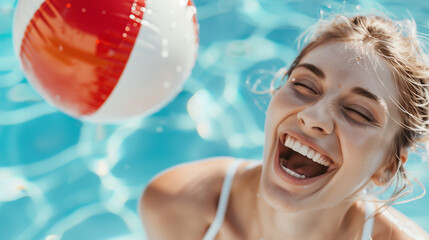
106	60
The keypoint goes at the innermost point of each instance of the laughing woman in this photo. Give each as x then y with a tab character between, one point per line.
354	101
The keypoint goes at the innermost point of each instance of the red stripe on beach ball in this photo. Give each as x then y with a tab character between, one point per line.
78	49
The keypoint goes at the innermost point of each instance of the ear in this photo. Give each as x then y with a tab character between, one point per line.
403	155
388	170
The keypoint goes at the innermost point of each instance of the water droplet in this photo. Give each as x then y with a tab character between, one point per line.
124	35
132	16
329	5
61	48
164	42
149	11
103	12
143	9
83	10
159	129
103	96
358	7
134	24
127	29
179	68
166	84
164	53
173	25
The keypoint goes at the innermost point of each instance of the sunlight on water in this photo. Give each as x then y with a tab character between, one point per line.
61	178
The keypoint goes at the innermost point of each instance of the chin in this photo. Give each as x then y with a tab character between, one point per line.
278	197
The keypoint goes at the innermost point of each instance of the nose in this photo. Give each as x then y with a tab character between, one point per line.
316	119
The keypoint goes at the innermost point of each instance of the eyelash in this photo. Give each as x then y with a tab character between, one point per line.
295	84
368	119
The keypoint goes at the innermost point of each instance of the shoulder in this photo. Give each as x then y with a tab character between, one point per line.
182	200
393	225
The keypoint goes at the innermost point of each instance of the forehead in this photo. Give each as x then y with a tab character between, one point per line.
352	65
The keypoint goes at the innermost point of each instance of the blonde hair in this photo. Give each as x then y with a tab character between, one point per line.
397	43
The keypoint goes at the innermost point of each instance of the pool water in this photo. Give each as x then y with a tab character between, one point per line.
61	178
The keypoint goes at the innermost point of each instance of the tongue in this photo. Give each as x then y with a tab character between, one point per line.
304	166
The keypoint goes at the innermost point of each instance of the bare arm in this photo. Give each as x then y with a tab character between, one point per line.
181	202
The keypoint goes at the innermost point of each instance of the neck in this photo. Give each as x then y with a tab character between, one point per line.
315	224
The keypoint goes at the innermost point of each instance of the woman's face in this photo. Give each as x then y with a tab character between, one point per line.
336	116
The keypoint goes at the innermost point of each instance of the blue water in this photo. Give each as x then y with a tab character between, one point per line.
61	178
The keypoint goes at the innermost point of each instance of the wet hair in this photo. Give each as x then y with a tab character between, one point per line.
399	45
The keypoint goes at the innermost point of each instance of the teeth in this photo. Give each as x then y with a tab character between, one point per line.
316	157
292	173
296	146
310	154
288	141
305	151
325	163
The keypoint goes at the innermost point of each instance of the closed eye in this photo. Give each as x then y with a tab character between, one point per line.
304	88
359	114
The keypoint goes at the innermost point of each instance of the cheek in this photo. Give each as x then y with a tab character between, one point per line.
281	106
288	97
364	148
362	156
283	103
358	137
363	137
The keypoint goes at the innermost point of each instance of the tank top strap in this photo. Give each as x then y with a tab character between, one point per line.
223	200
369	221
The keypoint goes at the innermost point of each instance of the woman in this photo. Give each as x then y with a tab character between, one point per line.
354	102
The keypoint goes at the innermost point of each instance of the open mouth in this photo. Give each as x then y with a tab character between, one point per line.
301	161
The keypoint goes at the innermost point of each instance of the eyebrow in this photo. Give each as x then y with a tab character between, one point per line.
313	69
365	93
